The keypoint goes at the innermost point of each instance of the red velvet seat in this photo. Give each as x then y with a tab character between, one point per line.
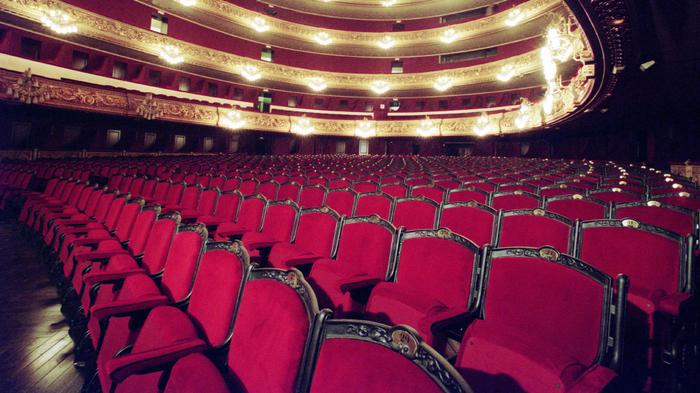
415	213
515	200
168	333
516	186
672	218
433	283
534	228
559	189
341	200
249	218
127	287
658	265
225	210
681	199
546	324
269	189
249	187
577	207
188	200
277	226
395	190
313	238
361	356
160	192
205	205
468	194
363	255
472	220
312	196
380	204
434	193
615	195
363	187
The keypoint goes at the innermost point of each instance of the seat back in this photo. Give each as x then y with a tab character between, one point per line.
115	209
161	191
159	240
268	189
289	190
680	199
280	217
190	196
559	189
272	333
251	211
367	245
142	228
369	204
438	258
216	290
342	200
415	213
534	228
365	187
574	302
174	194
395	190
149	187
363	356
207	201
467	194
472	220
312	196
577	207
654	259
137	186
316	230
248	187
434	193
227	205
515	200
180	266
193	373
615	195
127	218
671	218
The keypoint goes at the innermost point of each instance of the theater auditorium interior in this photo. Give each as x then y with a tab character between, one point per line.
349	196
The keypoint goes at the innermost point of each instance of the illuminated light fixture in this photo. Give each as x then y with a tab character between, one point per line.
233	119
548	103
560	45
251	72
260	24
507	73
317	84
171	54
386	42
302	126
379	86
523	118
149	108
427	128
515	16
365	129
677	185
187	3
443	83
58	21
482	125
549	67
668	179
387	3
323	38
28	89
449	36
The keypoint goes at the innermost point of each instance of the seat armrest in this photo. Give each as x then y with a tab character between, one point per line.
89	241
444	319
595	379
121	367
91	278
302	260
127	306
98	255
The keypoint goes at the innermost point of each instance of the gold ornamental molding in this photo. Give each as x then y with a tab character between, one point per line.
371	9
238	21
94	99
124	35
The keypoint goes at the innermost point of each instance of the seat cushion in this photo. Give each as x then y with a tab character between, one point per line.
324	278
283	253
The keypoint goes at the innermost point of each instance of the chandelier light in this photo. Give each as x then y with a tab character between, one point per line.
302	126
58	21
149	108
482	125
386	42
560	43
323	38
259	24
449	36
443	83
427	128
548	102
515	16
187	3
365	129
251	72
171	54
380	86
28	89
549	67
233	119
317	84
387	3
523	117
506	73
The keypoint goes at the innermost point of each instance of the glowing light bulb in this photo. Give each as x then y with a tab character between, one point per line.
443	83
58	21
365	129
386	42
506	73
233	119
259	24
449	36
515	16
482	125
251	72
303	126
323	38
171	54
380	86
427	128
317	84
